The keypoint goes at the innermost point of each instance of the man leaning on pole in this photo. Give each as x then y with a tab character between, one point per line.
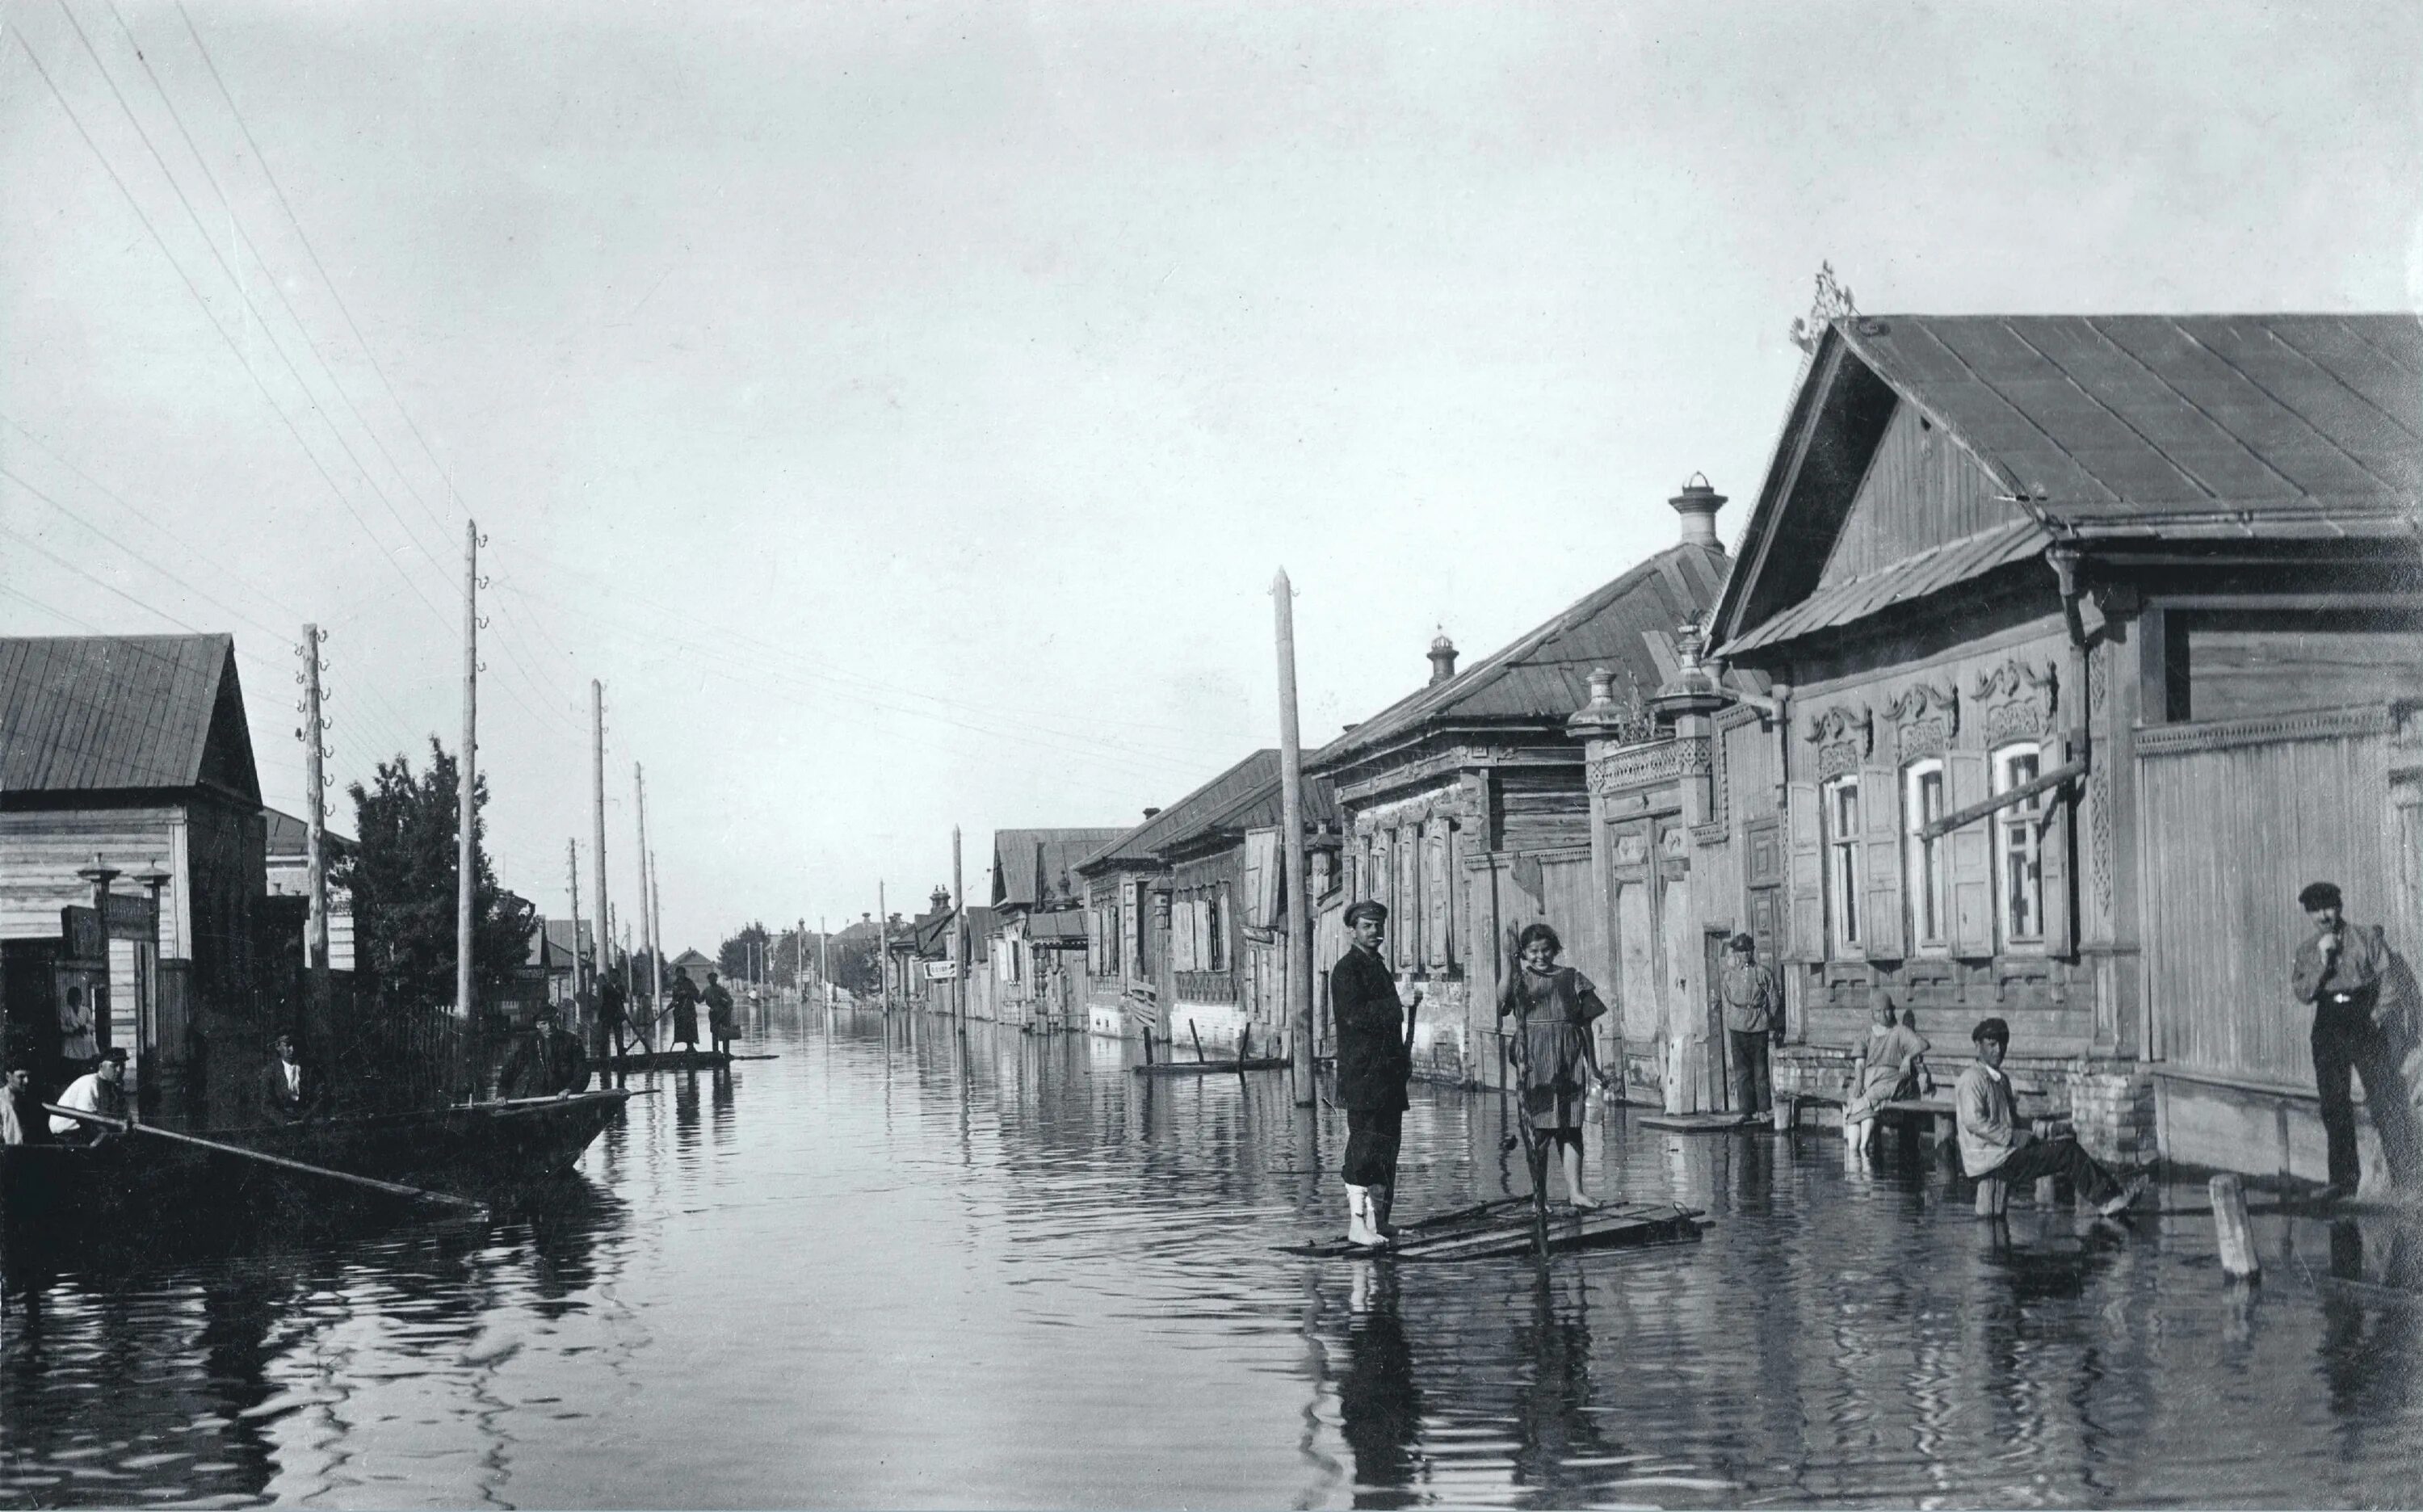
1374	1063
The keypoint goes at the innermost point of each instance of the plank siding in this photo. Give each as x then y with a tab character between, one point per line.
2228	836
46	848
1919	491
2237	670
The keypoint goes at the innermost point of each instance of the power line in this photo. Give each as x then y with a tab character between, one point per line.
137	206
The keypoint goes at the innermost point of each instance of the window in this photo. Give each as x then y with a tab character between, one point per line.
1111	927
1215	930
1841	804
2019	856
1923	863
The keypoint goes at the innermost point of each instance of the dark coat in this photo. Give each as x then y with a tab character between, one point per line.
542	1069
1373	1060
685	995
279	1105
611	1003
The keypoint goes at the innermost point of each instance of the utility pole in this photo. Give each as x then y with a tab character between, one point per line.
657	924
959	933
597	797
824	960
883	949
572	877
1299	900
648	910
469	771
315	835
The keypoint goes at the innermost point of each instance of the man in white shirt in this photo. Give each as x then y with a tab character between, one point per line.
17	1106
1993	1144
101	1091
289	1092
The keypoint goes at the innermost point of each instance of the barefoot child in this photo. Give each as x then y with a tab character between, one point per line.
1553	1007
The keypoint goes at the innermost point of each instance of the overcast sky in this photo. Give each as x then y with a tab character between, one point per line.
903	409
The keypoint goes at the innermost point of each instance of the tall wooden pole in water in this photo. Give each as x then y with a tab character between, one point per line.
572	881
824	960
1299	899
315	835
883	949
958	931
657	921
648	896
597	808
469	771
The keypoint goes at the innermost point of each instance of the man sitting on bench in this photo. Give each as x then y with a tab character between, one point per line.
1993	1146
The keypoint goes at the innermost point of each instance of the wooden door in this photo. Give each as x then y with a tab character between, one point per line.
1720	1045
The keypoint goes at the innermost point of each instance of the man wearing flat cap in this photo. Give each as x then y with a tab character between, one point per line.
2338	969
1374	1062
1753	1014
550	1063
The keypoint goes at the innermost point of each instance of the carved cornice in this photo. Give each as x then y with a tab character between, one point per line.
1647	765
2267	729
2018	700
1925	717
1844	736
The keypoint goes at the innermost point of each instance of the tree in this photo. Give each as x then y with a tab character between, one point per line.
402	875
854	962
743	955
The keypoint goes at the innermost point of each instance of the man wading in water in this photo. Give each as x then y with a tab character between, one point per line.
1373	1065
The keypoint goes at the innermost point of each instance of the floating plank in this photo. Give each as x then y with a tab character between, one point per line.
1503	1229
1211	1068
675	1060
1694	1122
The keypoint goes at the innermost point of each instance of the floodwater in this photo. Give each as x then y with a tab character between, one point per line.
903	1266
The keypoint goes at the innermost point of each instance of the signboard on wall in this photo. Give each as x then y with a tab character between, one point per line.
942	971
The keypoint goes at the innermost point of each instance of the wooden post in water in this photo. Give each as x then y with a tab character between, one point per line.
315	834
598	806
883	946
647	896
2230	1228
959	933
465	821
1298	997
572	883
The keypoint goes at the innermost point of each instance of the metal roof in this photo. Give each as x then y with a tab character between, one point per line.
1141	844
2092	416
1912	578
1545	677
289	838
95	712
1031	867
1259	809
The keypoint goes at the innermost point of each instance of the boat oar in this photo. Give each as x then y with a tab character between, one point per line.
389	1187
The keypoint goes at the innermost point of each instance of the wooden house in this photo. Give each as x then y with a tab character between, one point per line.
1128	905
131	755
290	876
1037	954
1224	961
1467	807
2090	640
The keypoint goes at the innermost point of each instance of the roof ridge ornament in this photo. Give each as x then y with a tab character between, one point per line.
1831	302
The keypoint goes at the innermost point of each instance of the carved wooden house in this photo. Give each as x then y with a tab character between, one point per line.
2091	641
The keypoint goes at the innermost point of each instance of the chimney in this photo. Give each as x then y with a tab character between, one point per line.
1150	812
1697	504
1442	659
942	898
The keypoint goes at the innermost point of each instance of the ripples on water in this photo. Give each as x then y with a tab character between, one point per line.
900	1266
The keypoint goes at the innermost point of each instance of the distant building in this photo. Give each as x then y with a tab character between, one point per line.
1037	948
290	876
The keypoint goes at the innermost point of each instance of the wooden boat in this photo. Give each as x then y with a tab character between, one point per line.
1502	1230
676	1061
1211	1068
134	1185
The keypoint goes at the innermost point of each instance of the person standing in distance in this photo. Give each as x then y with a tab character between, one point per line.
2338	969
1374	1063
1753	1018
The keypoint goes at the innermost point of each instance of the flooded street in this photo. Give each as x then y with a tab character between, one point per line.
903	1267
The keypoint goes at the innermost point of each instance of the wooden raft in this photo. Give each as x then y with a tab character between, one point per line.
1209	1068
674	1061
1502	1230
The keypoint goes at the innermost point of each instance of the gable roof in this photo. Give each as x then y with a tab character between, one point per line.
289	838
1141	845
1542	678
1032	866
87	713
2105	427
1257	810
691	958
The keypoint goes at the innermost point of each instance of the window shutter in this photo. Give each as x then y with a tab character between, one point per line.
1807	874
1972	852
1880	862
1434	890
2060	923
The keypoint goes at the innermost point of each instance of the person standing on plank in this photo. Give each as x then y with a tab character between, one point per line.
2338	969
1553	1008
685	995
718	1014
1374	1063
1754	1020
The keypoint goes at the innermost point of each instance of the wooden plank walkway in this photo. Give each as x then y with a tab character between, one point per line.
1501	1229
1209	1068
673	1061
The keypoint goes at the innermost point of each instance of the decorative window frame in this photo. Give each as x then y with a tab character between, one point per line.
1917	854
1925	718
1845	736
1844	882
2019	825
2017	701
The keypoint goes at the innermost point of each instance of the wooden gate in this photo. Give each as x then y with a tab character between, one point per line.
2236	816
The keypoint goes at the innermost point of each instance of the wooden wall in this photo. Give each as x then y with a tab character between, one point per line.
2238	667
2237	815
40	850
1919	491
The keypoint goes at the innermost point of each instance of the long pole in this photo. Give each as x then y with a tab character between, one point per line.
315	835
657	925
883	956
572	877
597	801
465	818
1299	899
648	895
959	933
824	960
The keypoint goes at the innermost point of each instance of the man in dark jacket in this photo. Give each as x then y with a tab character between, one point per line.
2339	969
290	1091
550	1063
1374	1062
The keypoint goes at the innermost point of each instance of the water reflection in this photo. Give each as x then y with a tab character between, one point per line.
916	1261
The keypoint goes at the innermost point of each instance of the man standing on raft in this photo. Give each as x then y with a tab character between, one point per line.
1374	1062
